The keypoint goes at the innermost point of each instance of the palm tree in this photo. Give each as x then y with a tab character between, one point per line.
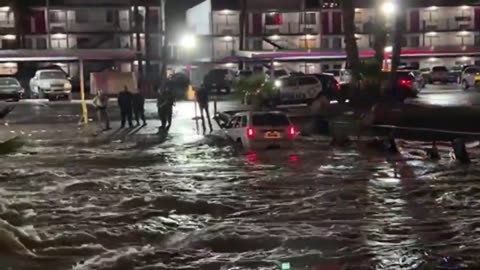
353	59
379	35
399	29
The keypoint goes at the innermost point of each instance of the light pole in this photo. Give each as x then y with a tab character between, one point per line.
188	42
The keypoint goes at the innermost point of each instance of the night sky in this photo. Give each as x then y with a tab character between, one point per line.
175	13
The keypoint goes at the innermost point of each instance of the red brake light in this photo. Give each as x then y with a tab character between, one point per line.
405	82
338	86
292	131
250	133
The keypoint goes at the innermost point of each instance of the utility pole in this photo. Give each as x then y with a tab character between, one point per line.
138	28
147	43
164	46
243	28
47	20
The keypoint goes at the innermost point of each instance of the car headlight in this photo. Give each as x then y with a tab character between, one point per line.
277	83
67	85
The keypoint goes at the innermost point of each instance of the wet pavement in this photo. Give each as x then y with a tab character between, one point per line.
189	201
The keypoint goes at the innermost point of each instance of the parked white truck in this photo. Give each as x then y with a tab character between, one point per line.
51	84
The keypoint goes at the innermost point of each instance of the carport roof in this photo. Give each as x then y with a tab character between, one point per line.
66	55
289	55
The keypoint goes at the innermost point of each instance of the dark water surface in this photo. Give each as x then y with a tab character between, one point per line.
206	206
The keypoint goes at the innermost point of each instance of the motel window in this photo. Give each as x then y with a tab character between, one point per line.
308	18
337	43
28	43
8	43
82	43
41	43
81	16
477	40
55	16
325	43
273	19
414	41
257	44
110	15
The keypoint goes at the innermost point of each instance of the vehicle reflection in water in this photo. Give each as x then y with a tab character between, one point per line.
205	205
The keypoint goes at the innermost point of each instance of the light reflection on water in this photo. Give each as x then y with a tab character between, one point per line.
208	206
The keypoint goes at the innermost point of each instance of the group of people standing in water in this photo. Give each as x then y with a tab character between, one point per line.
132	107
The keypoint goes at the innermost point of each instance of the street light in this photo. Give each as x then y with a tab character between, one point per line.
188	41
389	8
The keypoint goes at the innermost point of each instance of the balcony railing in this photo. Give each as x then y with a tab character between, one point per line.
90	26
7	24
455	24
289	28
226	29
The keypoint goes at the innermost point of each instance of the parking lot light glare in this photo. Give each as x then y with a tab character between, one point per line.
188	41
389	8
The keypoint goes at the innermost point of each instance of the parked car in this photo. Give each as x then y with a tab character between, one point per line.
51	84
259	130
334	72
242	74
454	74
10	89
407	84
303	89
470	77
439	74
345	76
331	87
219	79
419	78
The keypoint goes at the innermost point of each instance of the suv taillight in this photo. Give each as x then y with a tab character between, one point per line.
405	83
292	131
250	133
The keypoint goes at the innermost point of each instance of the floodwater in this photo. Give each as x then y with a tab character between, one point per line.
203	205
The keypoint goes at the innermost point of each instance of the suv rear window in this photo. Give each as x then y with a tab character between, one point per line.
405	75
279	73
334	72
306	80
439	69
270	119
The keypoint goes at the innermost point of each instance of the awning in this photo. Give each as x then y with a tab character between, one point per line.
66	55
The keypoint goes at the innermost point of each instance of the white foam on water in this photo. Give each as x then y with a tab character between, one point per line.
109	258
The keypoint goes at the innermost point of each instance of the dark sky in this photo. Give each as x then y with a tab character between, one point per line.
175	12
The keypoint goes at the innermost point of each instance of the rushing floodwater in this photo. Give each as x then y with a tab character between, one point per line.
206	206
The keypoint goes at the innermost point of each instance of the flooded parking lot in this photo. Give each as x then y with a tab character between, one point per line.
205	205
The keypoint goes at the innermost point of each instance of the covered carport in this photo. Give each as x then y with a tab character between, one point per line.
80	56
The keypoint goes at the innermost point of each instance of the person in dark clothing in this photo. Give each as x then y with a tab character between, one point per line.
202	96
138	102
166	101
125	104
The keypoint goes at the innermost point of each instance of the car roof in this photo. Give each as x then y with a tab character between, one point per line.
250	113
50	70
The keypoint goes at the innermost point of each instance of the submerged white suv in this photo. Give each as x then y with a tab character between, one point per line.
298	89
